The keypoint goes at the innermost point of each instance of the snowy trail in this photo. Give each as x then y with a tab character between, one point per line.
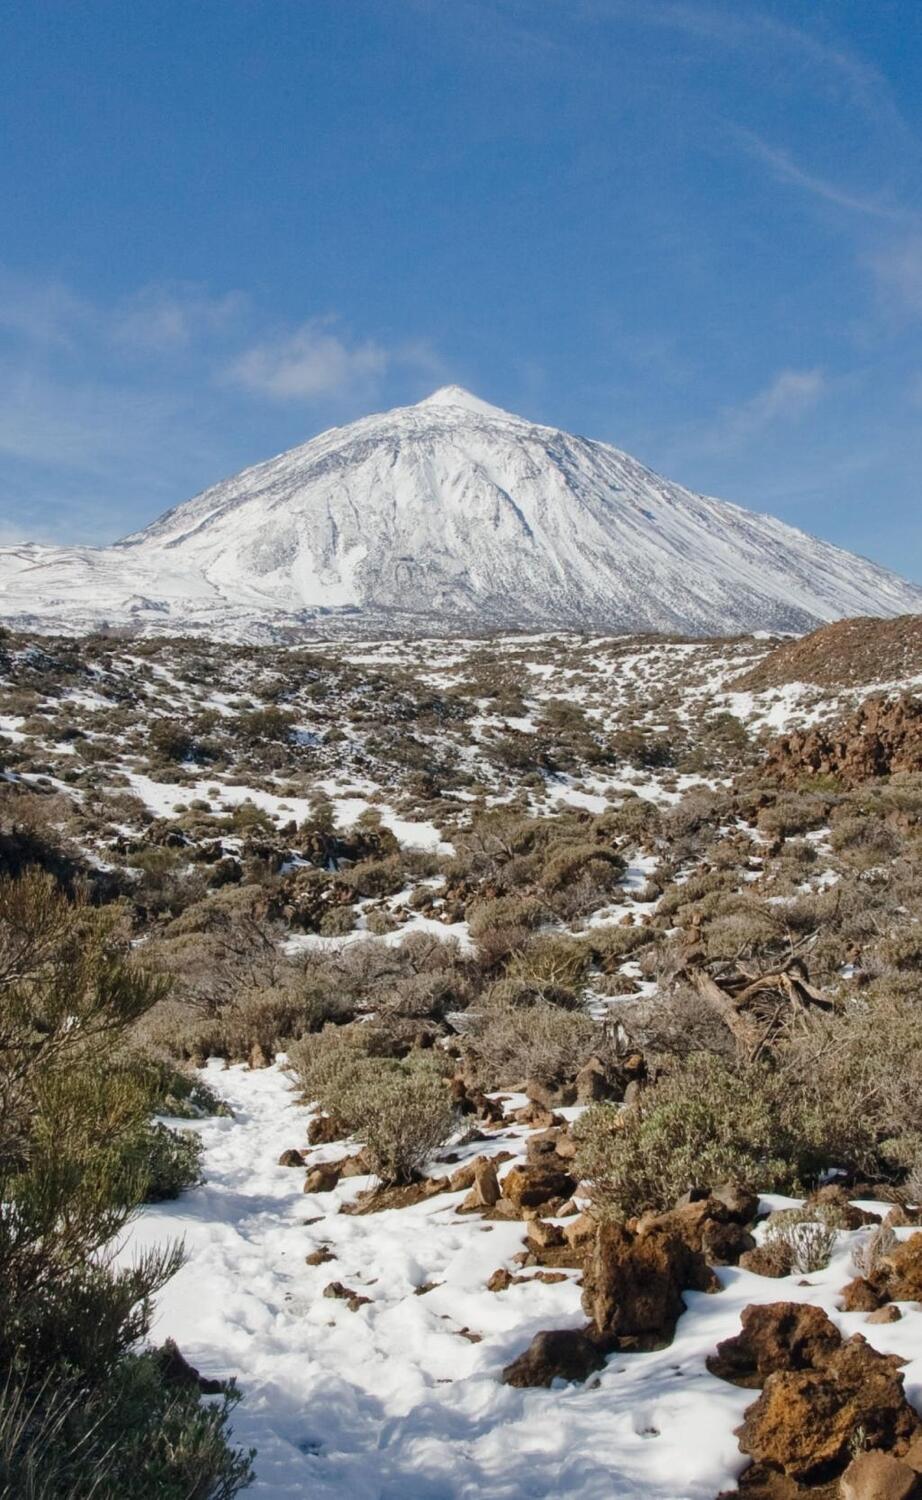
393	1402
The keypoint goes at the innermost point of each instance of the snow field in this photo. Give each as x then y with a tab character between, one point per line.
393	1402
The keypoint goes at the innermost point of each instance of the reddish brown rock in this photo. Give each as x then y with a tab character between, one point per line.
545	1235
485	1190
903	1266
882	737
556	1354
775	1336
500	1281
739	1200
580	1231
319	1257
530	1187
861	1295
322	1178
323	1130
291	1158
805	1420
723	1244
633	1283
773	1260
353	1300
888	1314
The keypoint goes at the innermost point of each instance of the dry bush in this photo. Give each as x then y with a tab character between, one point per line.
872	1249
807	1238
551	960
504	1045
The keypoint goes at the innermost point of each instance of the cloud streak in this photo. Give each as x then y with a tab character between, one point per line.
785	169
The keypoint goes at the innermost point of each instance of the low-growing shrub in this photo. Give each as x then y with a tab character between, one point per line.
808	1238
507	1044
706	1121
401	1110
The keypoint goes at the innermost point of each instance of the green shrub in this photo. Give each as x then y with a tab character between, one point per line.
171	1161
78	1154
707	1121
401	1111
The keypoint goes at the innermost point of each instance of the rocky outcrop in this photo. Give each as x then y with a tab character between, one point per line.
883	737
819	1394
804	1420
848	654
776	1336
633	1283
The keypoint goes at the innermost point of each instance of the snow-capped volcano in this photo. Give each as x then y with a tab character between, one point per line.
450	516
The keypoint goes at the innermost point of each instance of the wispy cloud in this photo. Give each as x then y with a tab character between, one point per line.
785	169
40	312
788	395
785	399
749	28
162	318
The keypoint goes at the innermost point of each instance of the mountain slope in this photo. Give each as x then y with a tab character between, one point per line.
445	516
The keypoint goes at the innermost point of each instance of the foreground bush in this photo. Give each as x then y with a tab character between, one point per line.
83	1413
401	1110
707	1121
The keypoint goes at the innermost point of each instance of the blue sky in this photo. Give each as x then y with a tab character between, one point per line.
691	228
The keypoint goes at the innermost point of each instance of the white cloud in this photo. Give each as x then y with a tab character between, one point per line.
790	394
309	363
158	319
786	398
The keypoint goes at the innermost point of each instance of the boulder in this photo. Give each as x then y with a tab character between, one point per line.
545	1235
485	1190
500	1281
593	1083
739	1200
836	1199
633	1283
861	1295
323	1130
550	1095
888	1314
544	1149
555	1354
320	1256
291	1158
356	1165
580	1231
773	1260
323	1178
723	1244
903	1267
804	1420
775	1336
529	1187
879	1476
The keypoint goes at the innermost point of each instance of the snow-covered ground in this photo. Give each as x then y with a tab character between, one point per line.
394	1401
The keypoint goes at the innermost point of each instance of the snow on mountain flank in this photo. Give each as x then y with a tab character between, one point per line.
449	516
